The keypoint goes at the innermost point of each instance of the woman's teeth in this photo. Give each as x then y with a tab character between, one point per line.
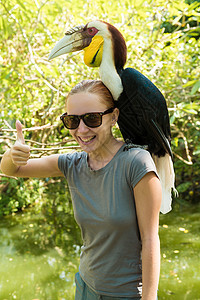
86	140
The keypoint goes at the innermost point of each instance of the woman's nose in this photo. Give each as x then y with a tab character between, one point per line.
82	127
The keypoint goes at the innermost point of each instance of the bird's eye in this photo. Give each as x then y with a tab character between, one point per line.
92	31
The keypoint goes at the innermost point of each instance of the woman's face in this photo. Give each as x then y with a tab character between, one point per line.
96	139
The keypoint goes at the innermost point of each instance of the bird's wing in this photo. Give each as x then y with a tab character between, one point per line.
143	116
160	137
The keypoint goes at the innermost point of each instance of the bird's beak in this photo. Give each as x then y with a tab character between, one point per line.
74	40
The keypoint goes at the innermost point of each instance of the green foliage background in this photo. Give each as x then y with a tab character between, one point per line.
163	43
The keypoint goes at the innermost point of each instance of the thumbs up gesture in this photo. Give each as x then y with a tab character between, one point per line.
20	152
20	136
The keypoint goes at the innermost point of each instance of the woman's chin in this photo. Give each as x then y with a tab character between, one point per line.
87	145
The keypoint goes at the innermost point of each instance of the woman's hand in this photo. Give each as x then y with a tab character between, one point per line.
20	152
16	162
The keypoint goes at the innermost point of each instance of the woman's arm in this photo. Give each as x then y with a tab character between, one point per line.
148	197
16	162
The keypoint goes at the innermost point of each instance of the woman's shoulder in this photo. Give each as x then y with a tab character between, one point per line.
134	153
72	158
136	158
136	162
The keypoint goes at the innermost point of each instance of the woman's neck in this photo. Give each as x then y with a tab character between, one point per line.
99	160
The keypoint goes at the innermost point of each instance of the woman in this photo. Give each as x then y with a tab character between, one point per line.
116	197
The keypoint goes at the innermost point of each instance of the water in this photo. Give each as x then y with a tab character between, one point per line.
39	256
38	260
180	250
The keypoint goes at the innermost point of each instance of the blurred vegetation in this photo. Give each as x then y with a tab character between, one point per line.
163	40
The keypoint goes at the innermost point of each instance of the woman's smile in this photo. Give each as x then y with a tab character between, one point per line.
86	140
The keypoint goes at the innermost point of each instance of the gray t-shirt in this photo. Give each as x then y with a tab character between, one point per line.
104	208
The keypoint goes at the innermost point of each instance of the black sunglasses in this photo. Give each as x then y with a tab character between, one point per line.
92	120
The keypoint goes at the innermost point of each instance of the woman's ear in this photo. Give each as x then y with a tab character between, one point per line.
115	116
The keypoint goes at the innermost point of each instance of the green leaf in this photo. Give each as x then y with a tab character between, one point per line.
175	21
189	83
192	106
30	81
5	28
183	187
138	3
195	87
21	4
190	111
8	75
172	119
193	6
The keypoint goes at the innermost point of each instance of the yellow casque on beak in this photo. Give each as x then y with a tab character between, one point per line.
93	53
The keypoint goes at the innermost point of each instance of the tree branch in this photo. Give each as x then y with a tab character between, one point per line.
36	128
3	175
182	159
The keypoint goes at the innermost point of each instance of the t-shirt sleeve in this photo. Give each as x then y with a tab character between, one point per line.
67	161
140	166
63	162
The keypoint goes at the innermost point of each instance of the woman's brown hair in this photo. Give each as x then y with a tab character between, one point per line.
94	87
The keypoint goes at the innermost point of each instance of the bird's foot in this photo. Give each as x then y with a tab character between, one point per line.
130	145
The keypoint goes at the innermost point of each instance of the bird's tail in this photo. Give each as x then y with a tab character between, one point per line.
164	166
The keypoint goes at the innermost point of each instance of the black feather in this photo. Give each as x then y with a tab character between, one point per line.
143	117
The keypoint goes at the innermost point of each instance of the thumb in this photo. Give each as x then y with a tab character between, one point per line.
20	136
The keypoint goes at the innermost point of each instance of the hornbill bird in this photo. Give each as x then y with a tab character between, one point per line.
143	118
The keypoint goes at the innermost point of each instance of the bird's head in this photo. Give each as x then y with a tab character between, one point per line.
93	38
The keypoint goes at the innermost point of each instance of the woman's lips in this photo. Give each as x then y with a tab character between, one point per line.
86	140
